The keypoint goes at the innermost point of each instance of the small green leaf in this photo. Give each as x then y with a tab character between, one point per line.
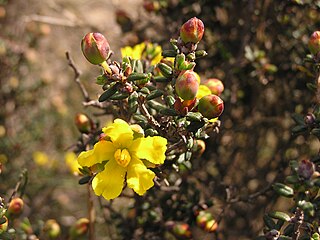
268	221
85	180
279	215
283	190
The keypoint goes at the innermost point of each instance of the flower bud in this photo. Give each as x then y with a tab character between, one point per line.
83	123
211	226
202	219
52	229
314	43
192	30
187	85
215	85
4	225
95	48
306	169
182	230
16	206
310	119
211	106
80	228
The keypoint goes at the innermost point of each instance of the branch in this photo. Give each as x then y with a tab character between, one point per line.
77	77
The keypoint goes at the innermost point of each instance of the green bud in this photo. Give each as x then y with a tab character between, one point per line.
187	85
52	229
192	30
201	53
314	43
211	106
80	228
215	85
95	48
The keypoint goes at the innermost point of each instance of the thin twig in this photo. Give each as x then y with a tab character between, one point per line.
91	213
297	220
77	77
50	20
22	176
146	113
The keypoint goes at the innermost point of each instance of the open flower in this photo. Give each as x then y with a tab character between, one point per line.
143	51
124	150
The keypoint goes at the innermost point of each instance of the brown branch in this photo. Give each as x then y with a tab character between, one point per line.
146	113
77	77
91	213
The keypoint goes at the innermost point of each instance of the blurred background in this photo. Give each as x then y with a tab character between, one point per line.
255	47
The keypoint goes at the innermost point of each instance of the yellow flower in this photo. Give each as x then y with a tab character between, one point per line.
40	158
203	91
143	51
124	150
72	163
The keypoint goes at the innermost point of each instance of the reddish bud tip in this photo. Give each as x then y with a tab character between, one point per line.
52	229
16	206
192	30
306	169
80	228
314	43
211	106
187	85
215	85
182	230
95	48
83	123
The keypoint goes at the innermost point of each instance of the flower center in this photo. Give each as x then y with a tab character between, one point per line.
122	157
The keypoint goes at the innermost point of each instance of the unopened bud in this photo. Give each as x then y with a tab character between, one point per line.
187	85
314	43
215	85
16	206
83	123
95	48
202	219
310	119
80	228
211	226
4	224
151	6
182	230
52	229
211	106
192	30
306	169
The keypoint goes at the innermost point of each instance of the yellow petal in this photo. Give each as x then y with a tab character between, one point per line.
126	51
72	163
109	182
151	148
203	91
120	133
102	151
40	158
139	178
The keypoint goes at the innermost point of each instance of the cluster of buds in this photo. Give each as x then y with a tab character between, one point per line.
158	95
206	221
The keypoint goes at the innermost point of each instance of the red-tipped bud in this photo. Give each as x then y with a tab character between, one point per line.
182	230
80	228
211	226
16	206
83	123
215	85
95	48
314	43
192	30
202	219
187	85
4	224
52	229
151	6
306	169
211	106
